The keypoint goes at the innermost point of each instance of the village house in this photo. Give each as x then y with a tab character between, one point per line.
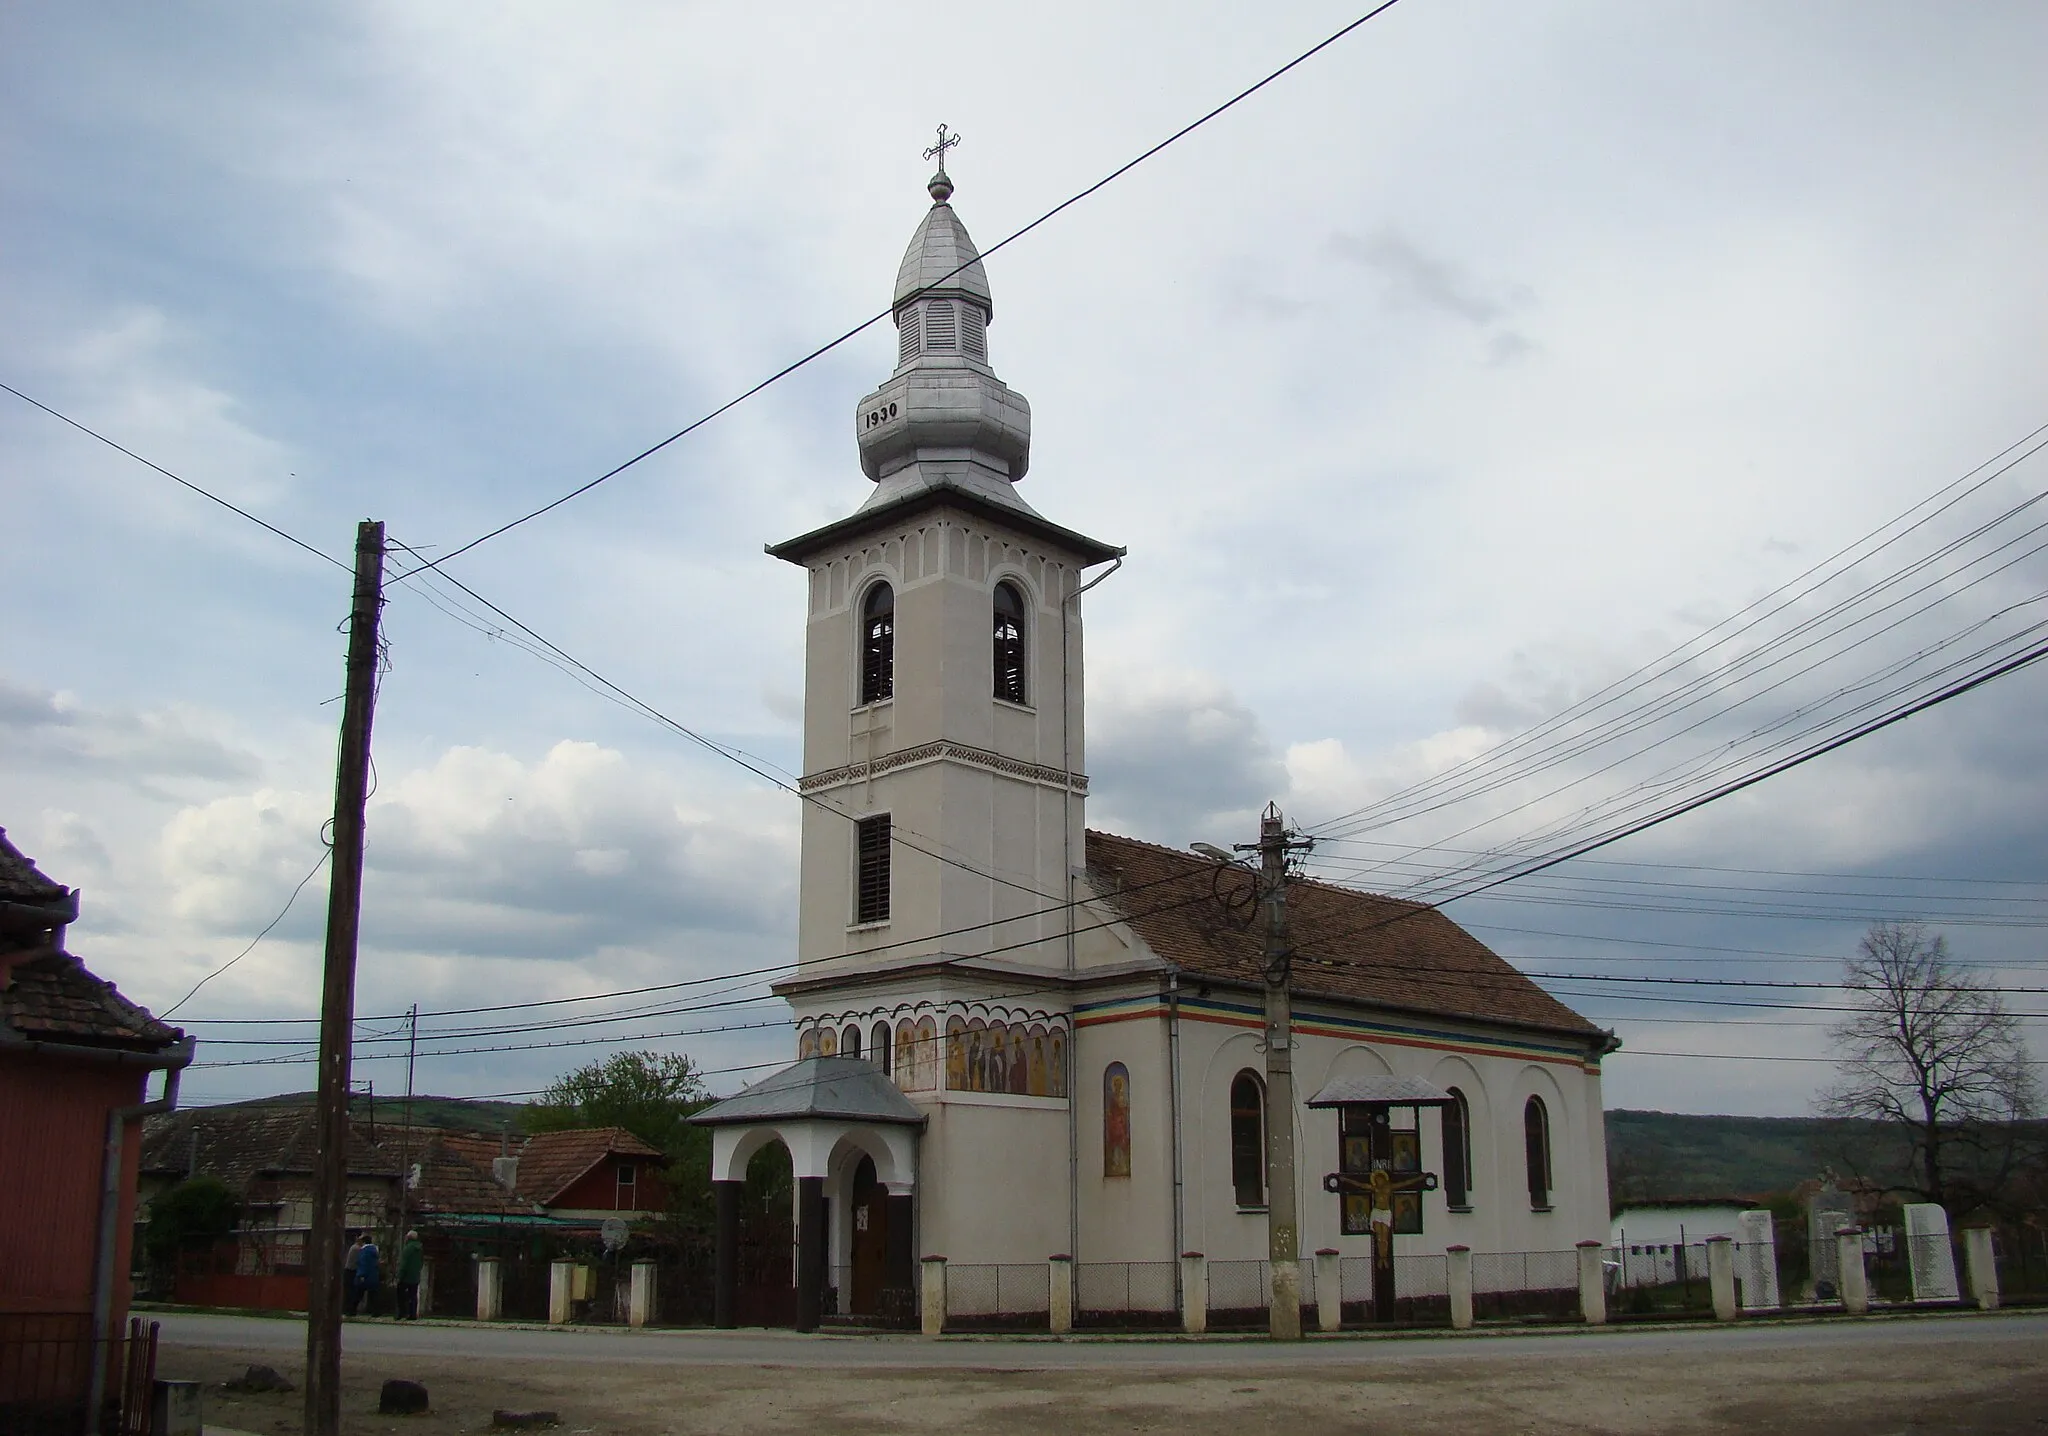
1019	1037
75	1058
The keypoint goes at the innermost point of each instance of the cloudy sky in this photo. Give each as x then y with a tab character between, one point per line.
1479	361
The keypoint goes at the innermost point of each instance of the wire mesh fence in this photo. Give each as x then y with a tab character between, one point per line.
992	1296
1524	1286
46	1368
2020	1255
1422	1290
1126	1293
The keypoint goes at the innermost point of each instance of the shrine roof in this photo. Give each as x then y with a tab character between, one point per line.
850	1089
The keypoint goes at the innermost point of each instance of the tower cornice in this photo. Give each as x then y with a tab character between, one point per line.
941	492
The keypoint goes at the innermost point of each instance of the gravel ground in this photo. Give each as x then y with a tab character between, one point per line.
1989	1375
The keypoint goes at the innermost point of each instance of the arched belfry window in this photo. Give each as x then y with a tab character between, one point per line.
1009	643
1248	1139
909	331
1457	1150
1536	1144
941	329
878	644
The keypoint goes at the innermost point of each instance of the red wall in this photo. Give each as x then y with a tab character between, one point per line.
53	1124
598	1189
261	1293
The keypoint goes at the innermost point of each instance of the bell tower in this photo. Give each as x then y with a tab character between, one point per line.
943	672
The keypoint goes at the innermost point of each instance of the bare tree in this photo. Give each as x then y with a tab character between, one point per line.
1933	1058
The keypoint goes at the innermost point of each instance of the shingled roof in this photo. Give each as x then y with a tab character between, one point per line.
1350	946
550	1162
48	996
239	1144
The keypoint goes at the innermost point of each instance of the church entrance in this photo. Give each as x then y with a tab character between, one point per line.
870	1239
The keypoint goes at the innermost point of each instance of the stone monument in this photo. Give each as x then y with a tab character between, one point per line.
1756	1261
1932	1258
1827	1213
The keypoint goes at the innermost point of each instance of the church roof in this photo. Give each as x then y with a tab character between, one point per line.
842	1088
918	491
941	246
1350	946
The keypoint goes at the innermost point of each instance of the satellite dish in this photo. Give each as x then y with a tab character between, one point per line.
614	1232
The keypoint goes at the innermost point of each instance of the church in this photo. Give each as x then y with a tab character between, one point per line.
1018	1037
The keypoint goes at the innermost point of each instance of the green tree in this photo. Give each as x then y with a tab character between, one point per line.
1931	1056
650	1094
191	1216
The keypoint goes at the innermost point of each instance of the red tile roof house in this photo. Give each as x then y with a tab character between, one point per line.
75	1057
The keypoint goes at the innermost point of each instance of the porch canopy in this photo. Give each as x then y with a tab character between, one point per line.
1382	1092
828	1111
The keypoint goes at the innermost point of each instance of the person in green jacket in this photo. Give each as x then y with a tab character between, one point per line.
411	1258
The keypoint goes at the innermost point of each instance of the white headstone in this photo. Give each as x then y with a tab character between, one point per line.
1933	1260
1756	1261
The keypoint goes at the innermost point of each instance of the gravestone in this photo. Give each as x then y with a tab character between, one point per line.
1827	1213
1932	1259
1756	1261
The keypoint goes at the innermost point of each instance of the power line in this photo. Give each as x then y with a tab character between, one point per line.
206	494
877	318
325	854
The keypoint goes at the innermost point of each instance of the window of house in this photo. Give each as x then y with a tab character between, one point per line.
871	884
879	1047
878	644
1248	1139
629	1185
1536	1144
1458	1151
1009	635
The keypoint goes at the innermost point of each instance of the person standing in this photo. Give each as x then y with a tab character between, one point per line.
348	1277
411	1258
368	1276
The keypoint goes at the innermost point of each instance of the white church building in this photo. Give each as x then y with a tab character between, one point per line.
1017	1037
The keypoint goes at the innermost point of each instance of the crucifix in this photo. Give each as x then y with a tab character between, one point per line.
938	151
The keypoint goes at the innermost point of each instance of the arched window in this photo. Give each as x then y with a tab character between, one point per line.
1009	645
1536	1145
1457	1151
1116	1120
849	1042
1248	1139
878	644
878	1046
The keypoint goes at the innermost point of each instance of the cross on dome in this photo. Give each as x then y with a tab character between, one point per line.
940	186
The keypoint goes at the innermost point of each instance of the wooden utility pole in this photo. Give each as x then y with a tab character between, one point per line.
1283	1231
324	1244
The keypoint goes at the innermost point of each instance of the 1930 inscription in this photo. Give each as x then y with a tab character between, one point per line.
881	414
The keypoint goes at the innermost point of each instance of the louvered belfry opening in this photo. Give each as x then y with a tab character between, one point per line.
878	644
940	326
1009	643
909	326
973	337
871	898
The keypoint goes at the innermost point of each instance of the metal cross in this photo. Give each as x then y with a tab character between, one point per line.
938	151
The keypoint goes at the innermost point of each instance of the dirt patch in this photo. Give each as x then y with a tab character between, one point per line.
1991	1386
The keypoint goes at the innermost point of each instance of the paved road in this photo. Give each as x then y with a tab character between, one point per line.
1961	1330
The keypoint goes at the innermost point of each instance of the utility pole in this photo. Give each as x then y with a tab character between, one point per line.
412	1048
324	1244
1283	1229
1283	1232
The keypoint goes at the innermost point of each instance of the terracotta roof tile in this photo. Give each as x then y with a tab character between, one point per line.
238	1144
48	996
20	879
1349	945
551	1161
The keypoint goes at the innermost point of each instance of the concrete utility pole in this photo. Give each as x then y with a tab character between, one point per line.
324	1245
1283	1232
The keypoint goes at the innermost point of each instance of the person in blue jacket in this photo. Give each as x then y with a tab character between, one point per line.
367	1274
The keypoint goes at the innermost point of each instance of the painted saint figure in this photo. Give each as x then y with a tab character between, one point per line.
1116	1121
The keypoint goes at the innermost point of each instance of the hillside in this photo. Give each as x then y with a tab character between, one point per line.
1667	1154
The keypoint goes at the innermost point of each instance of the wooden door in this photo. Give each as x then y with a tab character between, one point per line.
870	1216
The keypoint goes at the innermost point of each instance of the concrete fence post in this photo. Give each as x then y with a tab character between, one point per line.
1855	1281
1329	1289
490	1288
1458	1264
1194	1293
1981	1267
640	1308
561	1291
1721	1276
1060	1287
1593	1282
932	1299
